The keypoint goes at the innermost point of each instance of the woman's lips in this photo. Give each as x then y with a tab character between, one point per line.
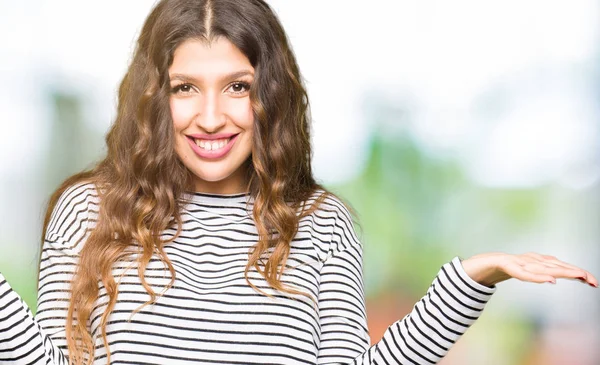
212	148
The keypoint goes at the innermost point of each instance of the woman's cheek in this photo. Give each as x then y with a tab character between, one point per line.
241	111
182	111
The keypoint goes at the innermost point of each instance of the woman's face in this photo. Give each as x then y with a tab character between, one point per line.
212	115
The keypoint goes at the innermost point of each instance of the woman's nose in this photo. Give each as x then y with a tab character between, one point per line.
210	117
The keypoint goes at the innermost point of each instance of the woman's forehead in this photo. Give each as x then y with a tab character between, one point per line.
215	59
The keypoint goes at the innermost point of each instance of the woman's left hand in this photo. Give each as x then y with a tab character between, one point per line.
491	268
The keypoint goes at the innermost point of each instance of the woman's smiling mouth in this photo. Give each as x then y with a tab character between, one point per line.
212	146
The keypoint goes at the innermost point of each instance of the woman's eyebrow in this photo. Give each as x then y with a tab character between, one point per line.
227	77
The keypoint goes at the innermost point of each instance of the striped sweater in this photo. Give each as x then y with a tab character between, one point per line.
212	316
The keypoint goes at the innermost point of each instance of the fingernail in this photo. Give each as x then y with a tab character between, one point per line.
552	281
594	285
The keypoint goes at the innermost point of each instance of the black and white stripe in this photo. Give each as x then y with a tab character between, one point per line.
22	340
212	316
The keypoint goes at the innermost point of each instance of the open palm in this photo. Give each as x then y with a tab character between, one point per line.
491	268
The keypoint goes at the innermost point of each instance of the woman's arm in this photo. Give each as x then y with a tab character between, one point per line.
22	340
453	302
451	305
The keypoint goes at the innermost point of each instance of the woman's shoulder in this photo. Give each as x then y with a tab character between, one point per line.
77	196
326	204
330	222
74	213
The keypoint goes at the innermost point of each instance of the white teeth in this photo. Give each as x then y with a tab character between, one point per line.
211	145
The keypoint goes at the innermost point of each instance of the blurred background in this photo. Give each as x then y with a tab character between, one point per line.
452	128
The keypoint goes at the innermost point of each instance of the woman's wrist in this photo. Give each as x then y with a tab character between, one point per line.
484	269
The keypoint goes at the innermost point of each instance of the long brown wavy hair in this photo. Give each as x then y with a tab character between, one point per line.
141	180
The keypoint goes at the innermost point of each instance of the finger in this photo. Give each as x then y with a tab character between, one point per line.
535	256
518	272
562	267
556	272
549	259
592	280
558	262
586	276
583	278
550	264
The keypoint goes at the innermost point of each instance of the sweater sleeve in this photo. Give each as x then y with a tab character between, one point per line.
453	303
22	340
73	216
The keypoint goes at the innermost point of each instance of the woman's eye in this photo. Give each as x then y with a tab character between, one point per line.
183	88
239	87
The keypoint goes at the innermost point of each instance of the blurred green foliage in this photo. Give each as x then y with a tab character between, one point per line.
415	212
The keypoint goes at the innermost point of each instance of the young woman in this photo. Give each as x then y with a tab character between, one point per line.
203	238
